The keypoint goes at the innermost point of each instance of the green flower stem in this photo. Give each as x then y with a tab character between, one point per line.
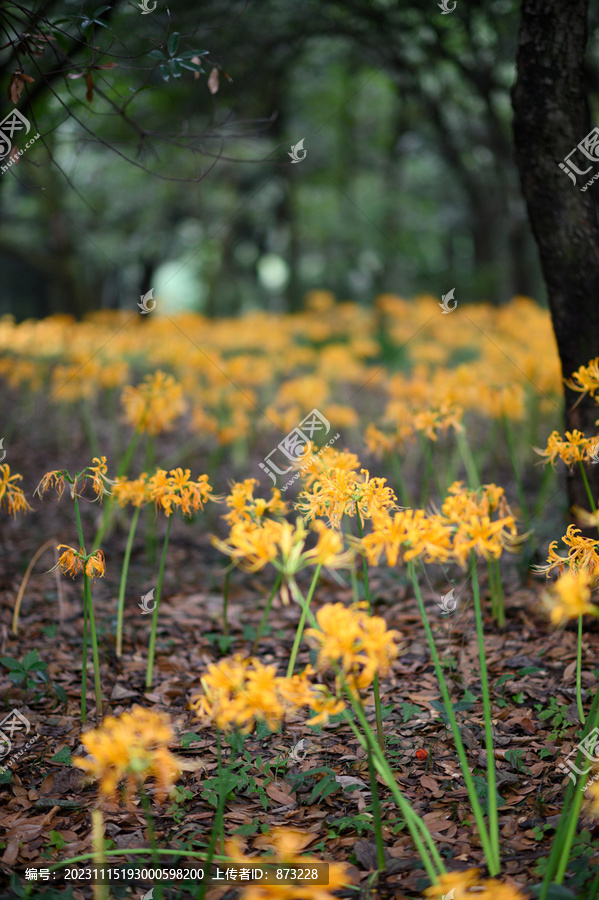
108	501
474	801
226	601
420	834
302	622
498	586
88	606
484	678
95	655
375	684
579	640
152	644
123	583
84	666
400	481
579	673
564	835
468	459
509	439
376	812
267	610
217	824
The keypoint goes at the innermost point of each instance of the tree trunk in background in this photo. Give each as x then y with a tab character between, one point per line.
550	119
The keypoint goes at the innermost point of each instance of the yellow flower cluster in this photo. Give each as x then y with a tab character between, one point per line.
287	844
358	644
11	494
247	508
254	544
583	555
72	561
175	490
134	747
576	447
459	884
133	492
465	525
155	404
240	691
340	491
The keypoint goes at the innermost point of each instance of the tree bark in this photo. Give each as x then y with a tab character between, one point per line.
551	117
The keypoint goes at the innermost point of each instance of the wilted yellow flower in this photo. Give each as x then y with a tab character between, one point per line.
11	495
360	644
133	746
155	404
287	844
72	561
98	476
569	597
54	479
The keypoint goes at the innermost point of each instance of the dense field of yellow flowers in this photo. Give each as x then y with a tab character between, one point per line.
183	414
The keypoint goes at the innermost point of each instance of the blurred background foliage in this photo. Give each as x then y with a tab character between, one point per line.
147	176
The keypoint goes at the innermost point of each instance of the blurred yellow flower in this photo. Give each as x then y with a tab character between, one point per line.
287	844
360	644
238	692
246	508
155	404
134	492
569	597
11	495
134	747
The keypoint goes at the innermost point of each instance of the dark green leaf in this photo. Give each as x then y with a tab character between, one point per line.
11	663
156	54
173	43
63	756
188	738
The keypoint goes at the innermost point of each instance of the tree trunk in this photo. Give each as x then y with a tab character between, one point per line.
551	118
